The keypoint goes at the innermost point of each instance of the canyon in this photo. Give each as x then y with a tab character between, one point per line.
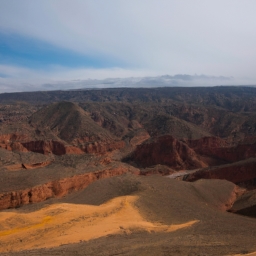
91	146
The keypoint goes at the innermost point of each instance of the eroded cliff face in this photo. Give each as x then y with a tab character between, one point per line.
219	148
54	147
239	172
239	161
168	151
16	142
45	147
57	188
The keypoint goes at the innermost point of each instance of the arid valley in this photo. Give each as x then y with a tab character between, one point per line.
128	171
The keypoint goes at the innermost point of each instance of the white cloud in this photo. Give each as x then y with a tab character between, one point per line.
167	36
17	79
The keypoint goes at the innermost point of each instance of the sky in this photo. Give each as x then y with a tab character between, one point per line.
60	41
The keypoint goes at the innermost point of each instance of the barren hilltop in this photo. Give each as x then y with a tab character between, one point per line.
146	171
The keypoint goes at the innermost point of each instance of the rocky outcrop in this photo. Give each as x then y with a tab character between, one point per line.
239	172
57	188
168	151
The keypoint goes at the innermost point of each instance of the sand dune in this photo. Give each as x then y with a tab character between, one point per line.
63	223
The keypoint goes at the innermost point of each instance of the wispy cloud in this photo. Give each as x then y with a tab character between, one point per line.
88	37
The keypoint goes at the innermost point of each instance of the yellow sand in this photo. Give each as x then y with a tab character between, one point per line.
70	223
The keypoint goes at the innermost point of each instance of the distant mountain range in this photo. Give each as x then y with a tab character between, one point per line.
158	81
179	80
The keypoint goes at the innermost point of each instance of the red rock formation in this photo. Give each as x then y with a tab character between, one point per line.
237	173
218	148
80	145
168	151
88	145
45	147
58	148
57	188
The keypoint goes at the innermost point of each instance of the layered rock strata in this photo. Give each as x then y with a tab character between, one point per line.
57	188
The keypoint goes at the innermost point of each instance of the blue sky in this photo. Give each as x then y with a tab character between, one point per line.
29	52
56	41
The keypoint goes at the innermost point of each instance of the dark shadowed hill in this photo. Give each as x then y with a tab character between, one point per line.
68	121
